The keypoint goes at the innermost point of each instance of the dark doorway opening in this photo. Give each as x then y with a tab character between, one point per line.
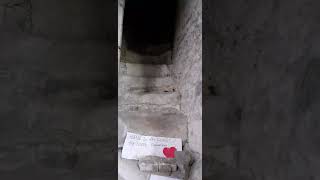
148	26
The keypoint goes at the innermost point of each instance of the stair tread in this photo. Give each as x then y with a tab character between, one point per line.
126	81
169	124
168	99
144	70
147	107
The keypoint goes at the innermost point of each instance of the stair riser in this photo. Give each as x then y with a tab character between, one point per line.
169	99
127	82
143	70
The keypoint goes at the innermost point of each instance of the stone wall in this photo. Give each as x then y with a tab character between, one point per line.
187	67
121	5
263	62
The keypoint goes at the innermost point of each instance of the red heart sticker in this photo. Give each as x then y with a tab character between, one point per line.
169	152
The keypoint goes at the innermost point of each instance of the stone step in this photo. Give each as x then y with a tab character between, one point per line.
133	57
147	107
144	70
161	98
130	82
173	125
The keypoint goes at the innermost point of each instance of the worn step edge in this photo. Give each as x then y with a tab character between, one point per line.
163	99
144	70
173	124
148	107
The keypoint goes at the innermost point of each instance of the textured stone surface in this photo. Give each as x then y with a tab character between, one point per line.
121	4
129	82
147	92
196	171
133	57
161	98
184	160
160	124
122	132
187	66
178	167
145	70
157	164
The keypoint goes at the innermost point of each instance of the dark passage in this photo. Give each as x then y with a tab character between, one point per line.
148	26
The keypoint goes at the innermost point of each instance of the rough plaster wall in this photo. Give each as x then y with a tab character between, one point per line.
121	5
263	60
54	77
187	67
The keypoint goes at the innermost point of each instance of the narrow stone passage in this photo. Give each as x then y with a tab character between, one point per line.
151	102
147	108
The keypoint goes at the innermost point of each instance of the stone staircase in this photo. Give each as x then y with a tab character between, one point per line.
148	105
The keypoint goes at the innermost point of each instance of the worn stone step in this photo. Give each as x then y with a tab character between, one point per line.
128	82
157	97
133	57
173	125
144	70
147	107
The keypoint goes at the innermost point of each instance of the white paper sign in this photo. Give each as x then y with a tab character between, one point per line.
156	177
137	146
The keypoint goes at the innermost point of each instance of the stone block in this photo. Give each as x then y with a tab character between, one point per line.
157	164
178	167
163	167
148	167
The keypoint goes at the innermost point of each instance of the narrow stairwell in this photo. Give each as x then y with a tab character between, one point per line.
149	104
